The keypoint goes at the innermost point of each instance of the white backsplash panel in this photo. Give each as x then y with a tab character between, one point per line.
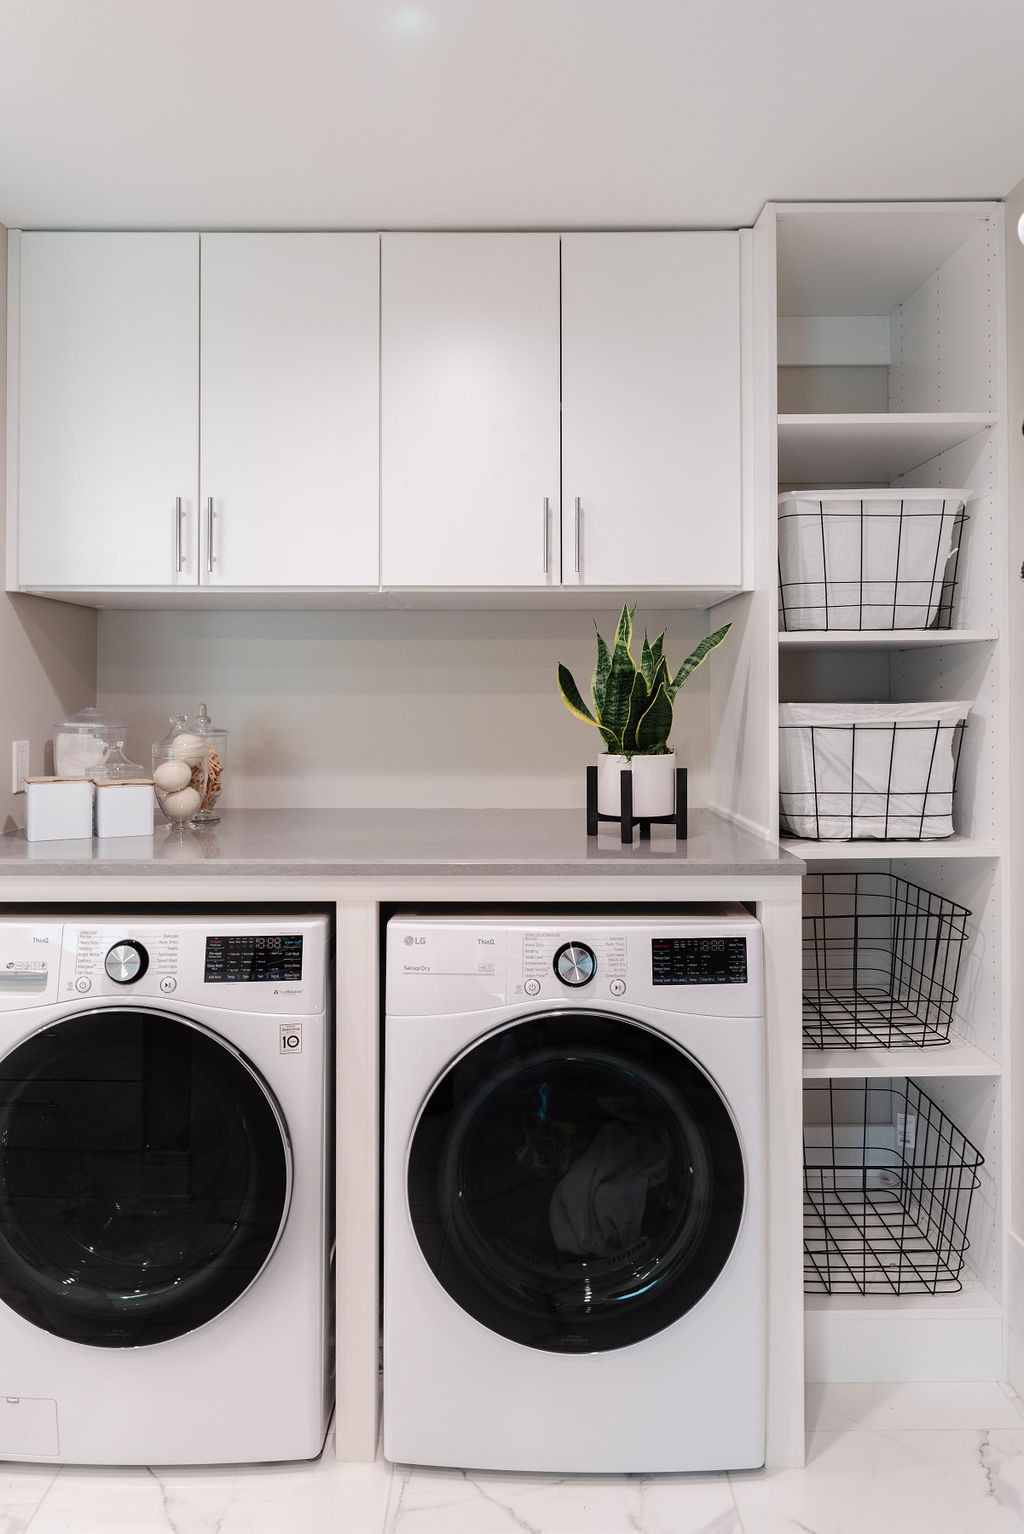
386	709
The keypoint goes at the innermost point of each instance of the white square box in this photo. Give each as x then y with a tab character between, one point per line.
58	809
125	808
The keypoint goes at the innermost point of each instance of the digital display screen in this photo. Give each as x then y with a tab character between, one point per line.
699	960
245	958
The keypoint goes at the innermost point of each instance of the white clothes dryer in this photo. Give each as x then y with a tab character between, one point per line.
165	1198
574	1193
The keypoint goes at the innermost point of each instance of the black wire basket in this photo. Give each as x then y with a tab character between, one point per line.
866	771
888	1184
868	559
881	959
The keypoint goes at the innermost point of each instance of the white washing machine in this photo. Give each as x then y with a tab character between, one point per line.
574	1216
165	1198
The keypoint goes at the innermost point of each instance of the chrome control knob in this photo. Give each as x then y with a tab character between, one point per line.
575	964
126	962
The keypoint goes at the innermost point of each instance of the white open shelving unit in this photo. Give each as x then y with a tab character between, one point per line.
890	372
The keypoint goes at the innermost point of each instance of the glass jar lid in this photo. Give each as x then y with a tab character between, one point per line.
89	721
202	724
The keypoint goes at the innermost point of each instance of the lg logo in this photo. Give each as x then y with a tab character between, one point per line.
412	942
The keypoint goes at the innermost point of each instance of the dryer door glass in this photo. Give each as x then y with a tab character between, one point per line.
144	1177
576	1182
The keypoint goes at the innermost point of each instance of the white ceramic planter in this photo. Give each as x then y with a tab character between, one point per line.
654	784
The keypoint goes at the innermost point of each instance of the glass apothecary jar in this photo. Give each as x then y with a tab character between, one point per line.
83	742
180	773
216	740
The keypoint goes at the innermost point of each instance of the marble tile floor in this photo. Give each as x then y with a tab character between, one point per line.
881	1459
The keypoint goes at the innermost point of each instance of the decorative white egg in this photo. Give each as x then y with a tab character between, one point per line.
171	775
188	748
182	804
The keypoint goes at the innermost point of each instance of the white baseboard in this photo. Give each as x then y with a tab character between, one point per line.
906	1346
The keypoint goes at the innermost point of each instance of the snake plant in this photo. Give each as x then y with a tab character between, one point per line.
633	704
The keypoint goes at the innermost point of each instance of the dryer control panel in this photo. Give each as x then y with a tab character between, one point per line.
707	961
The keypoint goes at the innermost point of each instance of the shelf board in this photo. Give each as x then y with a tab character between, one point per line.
957	1058
973	1299
865	448
866	851
883	639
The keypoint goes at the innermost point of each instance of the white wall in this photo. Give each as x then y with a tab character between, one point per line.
47	649
338	709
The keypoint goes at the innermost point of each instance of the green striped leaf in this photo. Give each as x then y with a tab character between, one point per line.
696	658
571	695
654	727
599	680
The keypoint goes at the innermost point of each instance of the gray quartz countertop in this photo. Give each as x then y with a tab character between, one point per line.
405	843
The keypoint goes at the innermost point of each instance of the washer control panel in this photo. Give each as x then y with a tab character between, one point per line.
699	960
257	964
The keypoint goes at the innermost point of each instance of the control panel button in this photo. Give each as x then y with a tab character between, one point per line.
617	987
168	984
126	962
83	984
575	964
531	987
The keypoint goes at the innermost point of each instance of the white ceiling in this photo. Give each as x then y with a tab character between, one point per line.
498	113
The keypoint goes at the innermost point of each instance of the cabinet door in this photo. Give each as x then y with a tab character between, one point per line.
289	440
469	410
107	409
651	409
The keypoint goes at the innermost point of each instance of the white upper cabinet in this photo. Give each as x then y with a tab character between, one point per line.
435	412
106	334
289	410
167	440
651	447
561	411
469	410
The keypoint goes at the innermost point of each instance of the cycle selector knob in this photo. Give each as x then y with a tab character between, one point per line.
575	964
126	962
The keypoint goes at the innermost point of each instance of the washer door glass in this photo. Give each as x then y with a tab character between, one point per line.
144	1177
576	1182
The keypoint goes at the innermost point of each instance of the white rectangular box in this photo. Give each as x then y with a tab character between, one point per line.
58	809
125	809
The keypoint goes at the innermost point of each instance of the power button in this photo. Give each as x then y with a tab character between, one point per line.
531	987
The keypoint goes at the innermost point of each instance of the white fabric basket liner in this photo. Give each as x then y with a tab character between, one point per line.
868	771
865	559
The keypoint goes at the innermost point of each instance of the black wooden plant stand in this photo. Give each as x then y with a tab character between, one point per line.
625	818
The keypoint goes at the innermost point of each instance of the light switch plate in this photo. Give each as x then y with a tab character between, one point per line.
19	765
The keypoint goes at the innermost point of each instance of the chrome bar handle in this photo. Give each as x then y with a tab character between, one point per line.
547	535
578	519
179	559
210	514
